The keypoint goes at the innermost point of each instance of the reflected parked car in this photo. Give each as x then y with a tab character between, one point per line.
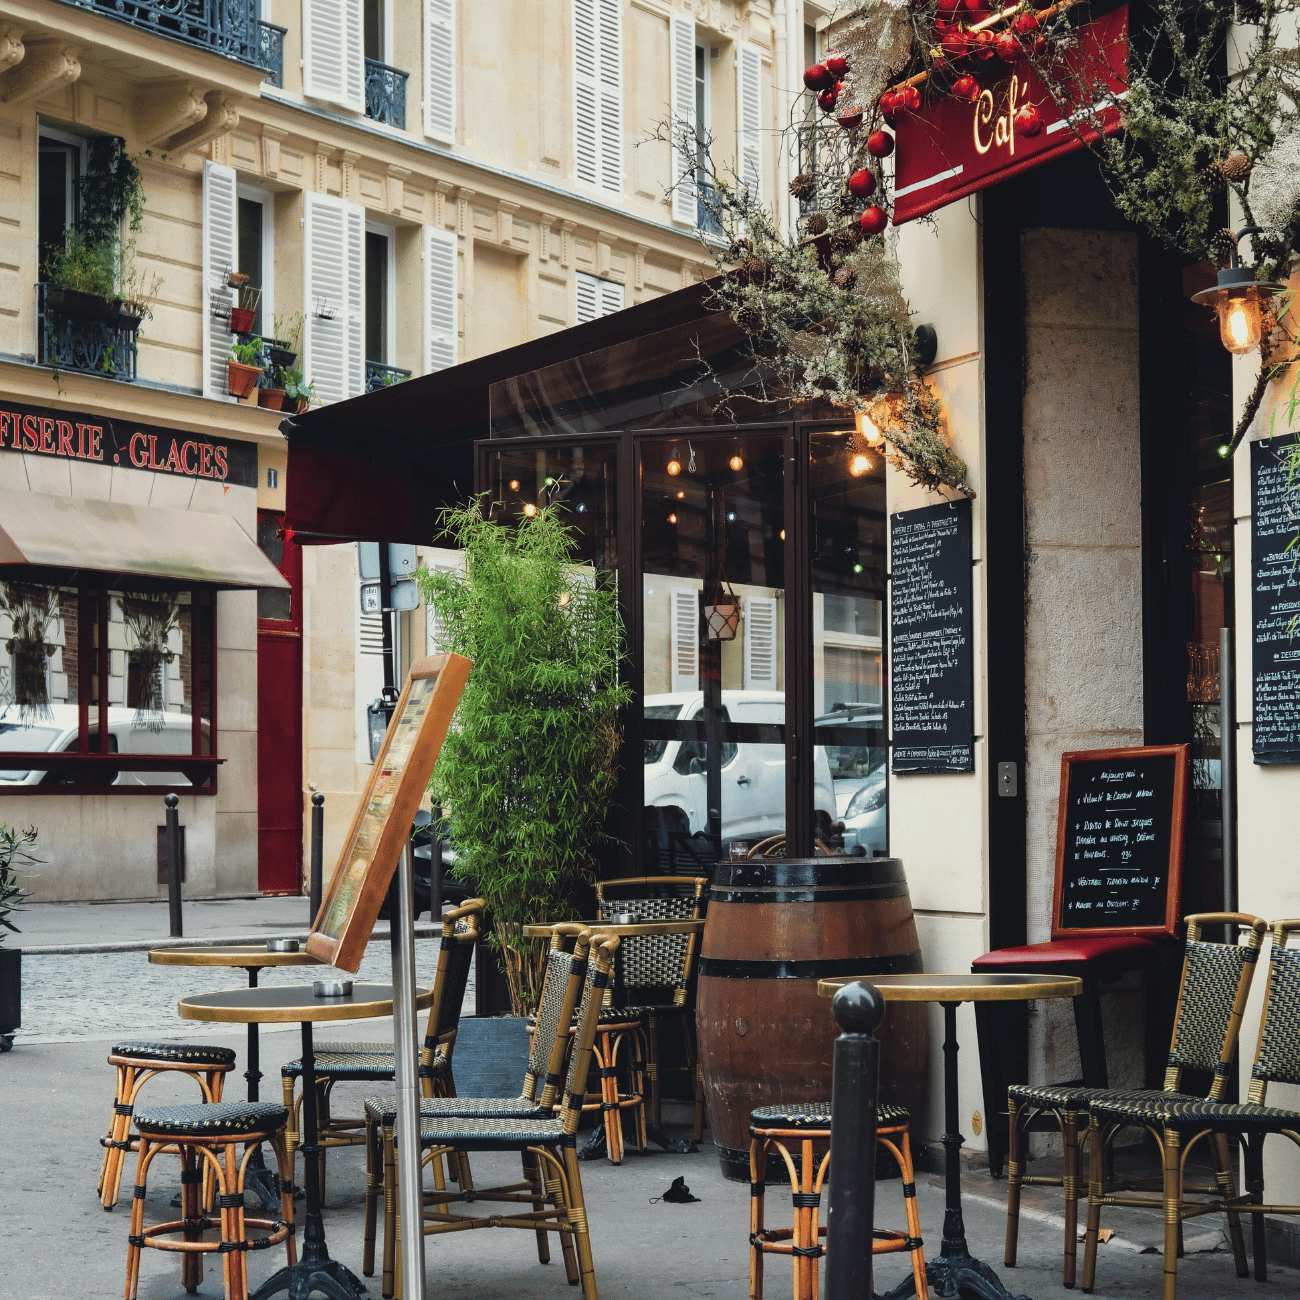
858	769
865	818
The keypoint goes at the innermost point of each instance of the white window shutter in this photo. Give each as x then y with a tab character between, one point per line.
611	95
588	297
684	616
681	40
586	92
333	61
749	119
440	297
355	221
326	294
220	240
611	296
440	70
760	643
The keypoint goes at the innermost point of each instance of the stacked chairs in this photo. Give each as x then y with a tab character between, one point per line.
1211	1002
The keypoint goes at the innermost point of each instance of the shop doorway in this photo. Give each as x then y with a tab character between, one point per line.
279	715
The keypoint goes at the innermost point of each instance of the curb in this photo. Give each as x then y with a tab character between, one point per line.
423	930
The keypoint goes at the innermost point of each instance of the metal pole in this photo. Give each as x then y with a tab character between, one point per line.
172	839
1228	766
850	1220
317	851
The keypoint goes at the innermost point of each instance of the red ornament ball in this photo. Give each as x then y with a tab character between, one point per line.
889	107
1029	121
818	77
880	144
1025	24
826	100
837	65
1008	48
873	220
983	44
966	88
976	11
949	9
850	120
908	99
955	43
862	184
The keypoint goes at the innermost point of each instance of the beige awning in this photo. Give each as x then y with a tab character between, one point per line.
143	541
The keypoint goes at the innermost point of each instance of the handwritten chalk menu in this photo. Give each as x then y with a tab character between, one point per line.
1119	841
382	823
930	639
1274	602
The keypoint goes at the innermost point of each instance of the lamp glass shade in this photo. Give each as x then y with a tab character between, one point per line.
1241	321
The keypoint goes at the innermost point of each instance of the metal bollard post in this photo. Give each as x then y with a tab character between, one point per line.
850	1220
172	836
317	851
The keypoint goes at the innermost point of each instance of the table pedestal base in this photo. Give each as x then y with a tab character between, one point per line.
315	1273
262	1182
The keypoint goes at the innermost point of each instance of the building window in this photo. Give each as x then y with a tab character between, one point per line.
379	297
60	162
255	254
375	18
597	297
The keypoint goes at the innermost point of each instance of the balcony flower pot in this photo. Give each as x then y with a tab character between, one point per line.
81	306
241	320
271	398
11	988
279	354
240	378
128	319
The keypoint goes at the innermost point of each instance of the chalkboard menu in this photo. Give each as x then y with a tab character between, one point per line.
1119	841
1274	602
931	671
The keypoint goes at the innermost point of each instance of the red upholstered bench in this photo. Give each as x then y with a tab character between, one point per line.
1096	960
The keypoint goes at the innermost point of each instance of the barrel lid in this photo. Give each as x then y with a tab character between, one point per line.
787	873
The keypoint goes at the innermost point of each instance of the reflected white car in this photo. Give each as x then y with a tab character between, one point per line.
865	818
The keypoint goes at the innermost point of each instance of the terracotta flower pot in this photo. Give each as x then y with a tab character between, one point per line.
241	320
271	398
241	378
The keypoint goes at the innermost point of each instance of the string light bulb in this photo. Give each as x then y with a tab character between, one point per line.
681	496
530	510
859	464
736	463
514	485
672	519
867	428
674	466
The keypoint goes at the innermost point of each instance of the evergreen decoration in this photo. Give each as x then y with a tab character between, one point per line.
530	766
15	857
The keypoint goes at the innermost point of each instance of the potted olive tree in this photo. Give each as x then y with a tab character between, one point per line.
531	764
15	857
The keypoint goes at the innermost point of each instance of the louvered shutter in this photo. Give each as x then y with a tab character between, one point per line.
354	217
684	615
611	95
440	257
325	290
586	94
220	239
611	296
588	297
598	93
760	643
333	60
681	39
440	70
749	119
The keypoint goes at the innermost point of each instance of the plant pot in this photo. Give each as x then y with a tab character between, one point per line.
11	989
722	621
82	306
271	398
237	279
241	320
240	378
128	320
279	354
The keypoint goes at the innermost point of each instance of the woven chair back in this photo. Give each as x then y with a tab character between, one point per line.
1277	1054
566	971
655	961
1212	999
460	936
595	982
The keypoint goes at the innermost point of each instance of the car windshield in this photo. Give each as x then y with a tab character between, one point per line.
654	749
16	739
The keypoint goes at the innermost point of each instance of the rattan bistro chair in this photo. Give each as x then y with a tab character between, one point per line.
809	1124
338	1063
566	969
557	1200
1177	1122
1211	1001
136	1064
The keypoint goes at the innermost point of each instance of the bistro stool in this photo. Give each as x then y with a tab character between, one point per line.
136	1064
209	1139
807	1123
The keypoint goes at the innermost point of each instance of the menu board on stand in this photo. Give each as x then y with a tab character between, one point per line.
382	823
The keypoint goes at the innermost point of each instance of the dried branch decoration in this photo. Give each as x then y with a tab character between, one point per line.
151	620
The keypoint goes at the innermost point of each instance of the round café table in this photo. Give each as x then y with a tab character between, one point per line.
315	1270
252	957
956	1272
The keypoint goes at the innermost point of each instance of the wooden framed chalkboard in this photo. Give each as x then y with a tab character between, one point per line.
1274	603
931	670
1119	842
382	823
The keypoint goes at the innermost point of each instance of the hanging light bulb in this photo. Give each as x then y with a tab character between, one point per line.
530	510
514	485
672	519
859	464
681	496
736	463
674	466
1240	302
867	428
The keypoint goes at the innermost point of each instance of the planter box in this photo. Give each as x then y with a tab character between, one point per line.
81	306
11	987
279	354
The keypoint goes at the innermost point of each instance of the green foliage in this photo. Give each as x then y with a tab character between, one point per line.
296	388
15	858
247	354
112	190
531	763
84	265
288	330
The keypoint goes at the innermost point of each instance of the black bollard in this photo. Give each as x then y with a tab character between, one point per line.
858	1009
172	839
317	851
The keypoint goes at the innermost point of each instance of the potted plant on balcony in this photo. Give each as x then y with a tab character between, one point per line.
245	312
15	856
82	278
283	349
270	392
244	367
299	393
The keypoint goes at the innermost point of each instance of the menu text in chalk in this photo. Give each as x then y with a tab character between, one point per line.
1119	841
930	640
1274	602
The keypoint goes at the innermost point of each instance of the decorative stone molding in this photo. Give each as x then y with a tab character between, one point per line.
566	241
638	266
45	68
547	244
11	47
604	253
397	188
443	194
165	108
323	152
348	159
221	118
505	221
271	137
464	214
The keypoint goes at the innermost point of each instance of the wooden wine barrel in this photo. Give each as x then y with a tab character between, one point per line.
775	927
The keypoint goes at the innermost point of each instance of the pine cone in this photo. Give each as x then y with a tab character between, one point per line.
1236	167
750	319
804	186
845	277
1223	242
844	240
815	223
846	205
1212	179
752	268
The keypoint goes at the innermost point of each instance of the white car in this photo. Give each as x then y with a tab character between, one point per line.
865	818
753	775
857	757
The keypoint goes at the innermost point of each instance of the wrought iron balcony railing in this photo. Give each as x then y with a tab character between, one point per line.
85	335
386	94
228	27
272	49
382	376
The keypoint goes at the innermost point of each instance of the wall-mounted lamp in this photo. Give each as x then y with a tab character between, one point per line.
674	466
1240	302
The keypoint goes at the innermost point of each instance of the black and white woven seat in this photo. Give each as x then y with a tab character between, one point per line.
626	1015
221	1119
383	1109
817	1114
1176	1110
195	1054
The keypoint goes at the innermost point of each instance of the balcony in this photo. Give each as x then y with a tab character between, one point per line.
90	337
272	52
226	27
381	376
386	94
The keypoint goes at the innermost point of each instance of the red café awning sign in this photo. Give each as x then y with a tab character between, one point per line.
949	149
